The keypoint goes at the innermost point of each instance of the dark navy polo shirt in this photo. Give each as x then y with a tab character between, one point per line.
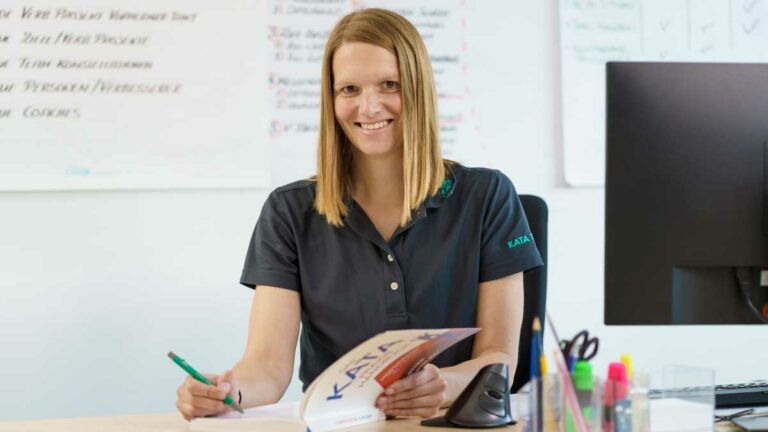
353	284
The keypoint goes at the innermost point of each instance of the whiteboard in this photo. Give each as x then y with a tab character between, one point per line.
191	95
593	32
121	94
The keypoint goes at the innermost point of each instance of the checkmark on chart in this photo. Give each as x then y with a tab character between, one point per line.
665	25
749	6
751	28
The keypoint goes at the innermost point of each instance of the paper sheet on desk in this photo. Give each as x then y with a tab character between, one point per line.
280	417
680	415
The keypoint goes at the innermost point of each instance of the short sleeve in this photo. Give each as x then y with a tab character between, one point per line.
272	258
507	244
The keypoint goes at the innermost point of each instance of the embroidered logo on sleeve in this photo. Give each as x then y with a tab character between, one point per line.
523	239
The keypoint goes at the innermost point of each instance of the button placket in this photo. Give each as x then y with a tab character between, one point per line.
395	295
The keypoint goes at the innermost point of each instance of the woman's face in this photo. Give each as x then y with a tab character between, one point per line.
366	98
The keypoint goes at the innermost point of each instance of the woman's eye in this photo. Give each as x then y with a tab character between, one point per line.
391	85
347	90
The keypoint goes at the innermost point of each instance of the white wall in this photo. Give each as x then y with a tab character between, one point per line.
96	287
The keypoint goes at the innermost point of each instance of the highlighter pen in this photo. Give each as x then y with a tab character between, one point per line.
198	376
615	391
584	384
626	359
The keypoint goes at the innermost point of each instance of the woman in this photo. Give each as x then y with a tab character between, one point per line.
388	235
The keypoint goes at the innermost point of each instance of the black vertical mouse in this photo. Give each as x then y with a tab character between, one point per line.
484	403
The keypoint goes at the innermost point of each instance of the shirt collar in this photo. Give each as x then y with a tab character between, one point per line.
358	221
435	201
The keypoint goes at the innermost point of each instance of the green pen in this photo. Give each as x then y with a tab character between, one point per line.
198	376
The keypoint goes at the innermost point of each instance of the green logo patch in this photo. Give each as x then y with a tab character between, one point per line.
446	187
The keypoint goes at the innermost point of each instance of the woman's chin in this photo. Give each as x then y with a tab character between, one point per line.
376	150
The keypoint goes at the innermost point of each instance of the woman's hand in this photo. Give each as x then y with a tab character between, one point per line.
421	394
195	399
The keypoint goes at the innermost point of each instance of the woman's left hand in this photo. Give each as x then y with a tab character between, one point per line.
421	394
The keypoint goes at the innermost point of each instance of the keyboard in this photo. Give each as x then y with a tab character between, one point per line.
738	395
726	395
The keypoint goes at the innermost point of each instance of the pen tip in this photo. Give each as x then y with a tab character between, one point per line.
536	324
171	355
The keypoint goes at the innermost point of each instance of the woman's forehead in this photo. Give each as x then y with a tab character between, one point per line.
359	60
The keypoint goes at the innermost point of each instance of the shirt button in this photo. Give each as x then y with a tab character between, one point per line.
390	257
394	286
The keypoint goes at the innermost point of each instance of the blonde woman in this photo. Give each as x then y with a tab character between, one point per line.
388	235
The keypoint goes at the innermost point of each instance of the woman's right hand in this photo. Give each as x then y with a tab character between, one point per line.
195	399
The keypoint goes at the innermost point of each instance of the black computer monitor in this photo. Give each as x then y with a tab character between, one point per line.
686	193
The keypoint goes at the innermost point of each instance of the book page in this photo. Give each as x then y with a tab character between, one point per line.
344	395
280	417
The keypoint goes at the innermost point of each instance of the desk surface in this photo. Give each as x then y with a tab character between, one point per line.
173	422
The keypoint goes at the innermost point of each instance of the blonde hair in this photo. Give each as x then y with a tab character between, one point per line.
423	166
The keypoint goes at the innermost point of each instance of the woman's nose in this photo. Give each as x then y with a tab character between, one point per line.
370	104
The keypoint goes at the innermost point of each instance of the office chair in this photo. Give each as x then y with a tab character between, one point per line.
535	287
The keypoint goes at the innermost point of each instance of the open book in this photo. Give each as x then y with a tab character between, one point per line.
345	393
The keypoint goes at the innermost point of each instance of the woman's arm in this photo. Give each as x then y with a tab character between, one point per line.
266	367
263	373
500	315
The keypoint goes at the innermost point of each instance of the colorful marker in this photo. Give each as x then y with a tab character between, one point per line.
616	389
626	359
583	382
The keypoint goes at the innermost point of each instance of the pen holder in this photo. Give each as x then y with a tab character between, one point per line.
537	403
605	405
543	405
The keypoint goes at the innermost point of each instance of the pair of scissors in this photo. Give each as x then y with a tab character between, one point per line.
581	347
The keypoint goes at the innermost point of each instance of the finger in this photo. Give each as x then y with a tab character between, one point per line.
189	411
437	385
182	407
416	412
421	377
208	406
433	400
198	389
226	382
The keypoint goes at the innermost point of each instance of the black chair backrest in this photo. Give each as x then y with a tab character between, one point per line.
535	287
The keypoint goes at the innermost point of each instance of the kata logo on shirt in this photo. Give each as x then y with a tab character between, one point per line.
526	238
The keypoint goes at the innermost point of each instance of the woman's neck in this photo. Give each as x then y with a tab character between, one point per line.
378	181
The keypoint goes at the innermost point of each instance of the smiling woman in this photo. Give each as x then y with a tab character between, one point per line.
387	236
